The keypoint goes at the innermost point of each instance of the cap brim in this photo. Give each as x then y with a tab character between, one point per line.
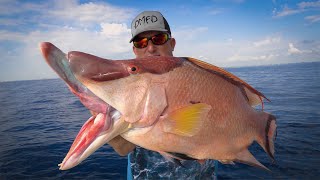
160	30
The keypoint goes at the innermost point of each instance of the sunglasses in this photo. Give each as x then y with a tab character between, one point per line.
159	39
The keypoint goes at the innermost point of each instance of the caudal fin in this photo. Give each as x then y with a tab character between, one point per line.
269	135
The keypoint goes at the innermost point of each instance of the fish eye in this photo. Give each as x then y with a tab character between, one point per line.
133	69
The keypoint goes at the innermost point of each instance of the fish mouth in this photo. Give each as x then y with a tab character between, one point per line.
94	133
106	122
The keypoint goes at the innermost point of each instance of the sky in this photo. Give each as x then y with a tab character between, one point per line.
226	33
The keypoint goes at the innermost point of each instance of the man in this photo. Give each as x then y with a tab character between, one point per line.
151	36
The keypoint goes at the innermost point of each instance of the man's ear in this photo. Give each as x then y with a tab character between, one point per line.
173	43
134	50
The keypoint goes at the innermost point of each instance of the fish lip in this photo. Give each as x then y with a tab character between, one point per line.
83	144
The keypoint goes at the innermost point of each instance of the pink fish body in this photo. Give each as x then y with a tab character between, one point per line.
182	108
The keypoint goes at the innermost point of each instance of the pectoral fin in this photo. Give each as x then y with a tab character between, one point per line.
156	102
186	121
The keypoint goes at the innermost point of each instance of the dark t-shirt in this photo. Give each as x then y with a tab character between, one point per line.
147	164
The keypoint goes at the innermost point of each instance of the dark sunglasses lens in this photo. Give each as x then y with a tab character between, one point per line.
140	43
160	39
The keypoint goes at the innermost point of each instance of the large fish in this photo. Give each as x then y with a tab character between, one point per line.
182	108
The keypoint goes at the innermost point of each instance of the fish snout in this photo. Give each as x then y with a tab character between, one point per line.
46	48
89	67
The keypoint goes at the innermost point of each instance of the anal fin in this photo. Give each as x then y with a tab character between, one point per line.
247	158
226	162
181	156
172	158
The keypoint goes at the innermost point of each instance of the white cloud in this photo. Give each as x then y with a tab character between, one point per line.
313	19
90	12
102	29
60	12
188	33
8	36
286	11
300	8
293	50
229	40
8	7
304	5
272	49
267	41
9	22
263	57
28	62
95	28
112	30
230	52
77	39
216	11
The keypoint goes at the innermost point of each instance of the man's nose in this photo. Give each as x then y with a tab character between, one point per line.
151	47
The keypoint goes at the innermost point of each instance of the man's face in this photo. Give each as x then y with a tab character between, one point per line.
154	50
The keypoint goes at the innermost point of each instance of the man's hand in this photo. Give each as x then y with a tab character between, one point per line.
121	146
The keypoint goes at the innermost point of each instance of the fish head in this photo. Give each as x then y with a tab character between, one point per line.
105	123
114	90
59	62
123	84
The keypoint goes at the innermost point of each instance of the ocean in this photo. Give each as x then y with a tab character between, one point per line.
39	120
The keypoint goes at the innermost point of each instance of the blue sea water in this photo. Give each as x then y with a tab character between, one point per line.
39	120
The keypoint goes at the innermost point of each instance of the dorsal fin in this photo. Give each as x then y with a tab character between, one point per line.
254	96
